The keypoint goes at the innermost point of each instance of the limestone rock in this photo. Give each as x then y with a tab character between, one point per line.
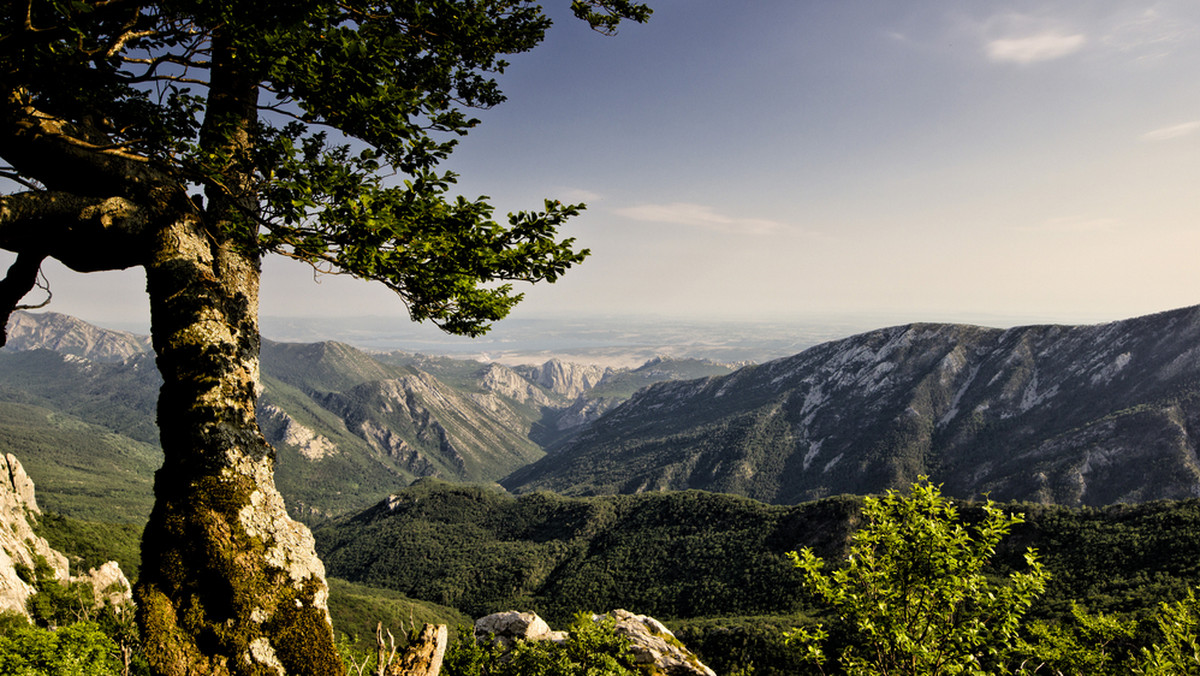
564	378
654	644
18	543
109	584
508	627
654	647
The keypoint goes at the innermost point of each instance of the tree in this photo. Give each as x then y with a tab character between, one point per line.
1178	652
194	137
913	596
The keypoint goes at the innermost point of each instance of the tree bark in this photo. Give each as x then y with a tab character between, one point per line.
424	655
229	584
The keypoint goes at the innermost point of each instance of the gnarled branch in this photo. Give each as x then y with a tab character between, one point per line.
21	278
86	234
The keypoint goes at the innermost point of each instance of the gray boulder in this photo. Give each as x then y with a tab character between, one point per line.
654	647
508	627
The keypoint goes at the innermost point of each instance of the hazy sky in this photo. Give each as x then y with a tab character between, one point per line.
774	158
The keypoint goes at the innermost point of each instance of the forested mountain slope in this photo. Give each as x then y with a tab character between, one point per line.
78	403
1073	415
695	554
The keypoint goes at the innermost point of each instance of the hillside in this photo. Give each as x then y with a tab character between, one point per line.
78	403
1073	415
695	554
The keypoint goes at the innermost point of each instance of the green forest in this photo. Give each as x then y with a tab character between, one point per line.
718	570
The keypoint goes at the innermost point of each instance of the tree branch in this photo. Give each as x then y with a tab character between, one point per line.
63	156
21	278
86	234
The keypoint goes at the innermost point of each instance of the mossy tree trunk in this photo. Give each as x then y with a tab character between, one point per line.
230	584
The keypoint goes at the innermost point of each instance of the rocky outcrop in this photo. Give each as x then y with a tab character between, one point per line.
22	550
654	644
563	378
508	627
508	383
281	428
20	547
654	647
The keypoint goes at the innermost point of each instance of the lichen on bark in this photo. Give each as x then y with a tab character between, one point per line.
232	584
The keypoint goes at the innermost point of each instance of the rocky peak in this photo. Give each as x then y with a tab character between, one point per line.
565	378
68	335
508	383
20	546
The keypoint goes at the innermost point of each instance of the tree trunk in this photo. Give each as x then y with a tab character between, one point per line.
424	655
229	584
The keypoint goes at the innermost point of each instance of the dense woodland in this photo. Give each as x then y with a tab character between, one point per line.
713	566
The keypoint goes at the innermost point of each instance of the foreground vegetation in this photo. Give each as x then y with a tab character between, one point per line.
1105	592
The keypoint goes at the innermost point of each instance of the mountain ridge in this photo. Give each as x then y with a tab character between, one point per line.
1045	413
348	426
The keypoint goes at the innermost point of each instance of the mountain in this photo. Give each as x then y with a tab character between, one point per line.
78	403
1073	415
68	335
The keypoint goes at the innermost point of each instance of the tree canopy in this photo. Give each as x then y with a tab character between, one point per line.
315	127
193	137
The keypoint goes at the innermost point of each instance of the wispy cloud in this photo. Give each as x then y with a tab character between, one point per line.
699	215
568	194
1028	49
1147	33
1173	131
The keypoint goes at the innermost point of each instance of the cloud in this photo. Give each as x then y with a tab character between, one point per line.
1149	33
1035	48
567	194
1173	131
698	215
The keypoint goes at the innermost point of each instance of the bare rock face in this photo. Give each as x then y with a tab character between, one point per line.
19	546
564	378
654	644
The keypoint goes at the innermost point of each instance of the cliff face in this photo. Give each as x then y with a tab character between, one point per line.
20	548
19	545
1072	415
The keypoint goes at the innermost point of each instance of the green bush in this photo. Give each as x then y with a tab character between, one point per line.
592	649
81	649
913	596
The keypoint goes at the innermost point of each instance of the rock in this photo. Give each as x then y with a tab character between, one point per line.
109	584
654	647
563	378
20	546
654	644
508	627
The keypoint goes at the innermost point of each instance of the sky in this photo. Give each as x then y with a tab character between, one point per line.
775	159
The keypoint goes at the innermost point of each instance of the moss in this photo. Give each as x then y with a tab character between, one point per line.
294	626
